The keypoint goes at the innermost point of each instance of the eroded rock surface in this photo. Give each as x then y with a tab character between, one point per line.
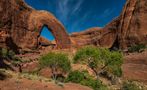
128	29
135	67
44	42
20	26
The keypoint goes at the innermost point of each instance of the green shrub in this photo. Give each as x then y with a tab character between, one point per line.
94	84
100	59
85	79
5	53
16	61
10	55
137	48
86	54
57	62
130	85
113	64
75	77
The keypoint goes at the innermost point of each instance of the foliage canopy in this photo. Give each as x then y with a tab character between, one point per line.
57	62
100	59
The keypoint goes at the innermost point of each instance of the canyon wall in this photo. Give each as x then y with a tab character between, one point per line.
21	25
126	30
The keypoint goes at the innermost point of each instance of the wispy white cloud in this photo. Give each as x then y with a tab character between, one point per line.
87	16
77	6
62	9
107	12
65	9
81	21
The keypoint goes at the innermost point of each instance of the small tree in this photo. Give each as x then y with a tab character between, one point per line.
100	60
57	62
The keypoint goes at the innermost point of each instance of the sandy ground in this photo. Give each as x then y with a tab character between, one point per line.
25	84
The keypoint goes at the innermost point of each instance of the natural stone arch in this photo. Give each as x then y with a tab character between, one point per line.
40	19
23	24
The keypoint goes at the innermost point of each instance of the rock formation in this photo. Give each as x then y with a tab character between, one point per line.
44	42
133	24
103	37
135	67
126	30
20	26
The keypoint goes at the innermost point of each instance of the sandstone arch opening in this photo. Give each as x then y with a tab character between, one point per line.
46	38
45	33
61	37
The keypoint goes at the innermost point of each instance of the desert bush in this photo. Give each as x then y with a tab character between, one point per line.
137	48
94	84
86	80
130	85
75	77
100	60
9	54
113	63
57	62
4	52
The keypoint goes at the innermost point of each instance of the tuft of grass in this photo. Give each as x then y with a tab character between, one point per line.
57	62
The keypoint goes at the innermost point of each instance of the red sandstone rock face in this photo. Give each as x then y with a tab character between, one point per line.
44	42
103	37
85	38
20	26
128	29
133	23
135	67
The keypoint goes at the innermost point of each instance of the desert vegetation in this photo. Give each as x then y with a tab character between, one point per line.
57	62
100	60
137	48
84	78
9	60
103	62
132	85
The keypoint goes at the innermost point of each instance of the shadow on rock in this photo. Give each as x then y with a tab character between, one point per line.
2	76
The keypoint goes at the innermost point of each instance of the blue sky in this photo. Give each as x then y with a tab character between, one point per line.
78	15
